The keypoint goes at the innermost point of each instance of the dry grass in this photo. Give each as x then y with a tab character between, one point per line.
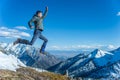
29	74
11	75
54	76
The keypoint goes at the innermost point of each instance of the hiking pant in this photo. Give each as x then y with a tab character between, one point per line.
37	34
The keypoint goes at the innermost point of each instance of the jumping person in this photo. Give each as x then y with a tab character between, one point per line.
38	26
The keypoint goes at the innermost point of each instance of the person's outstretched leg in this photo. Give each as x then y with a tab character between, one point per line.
35	36
42	50
22	41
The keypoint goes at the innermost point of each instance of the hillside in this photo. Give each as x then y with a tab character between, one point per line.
98	64
29	55
29	74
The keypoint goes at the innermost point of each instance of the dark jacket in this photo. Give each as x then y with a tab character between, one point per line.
38	22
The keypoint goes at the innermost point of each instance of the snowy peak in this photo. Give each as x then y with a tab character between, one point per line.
99	53
29	55
101	58
91	64
9	62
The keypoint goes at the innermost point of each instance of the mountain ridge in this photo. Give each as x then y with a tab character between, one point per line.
29	55
87	65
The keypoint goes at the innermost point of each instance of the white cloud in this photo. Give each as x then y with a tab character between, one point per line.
118	14
12	33
111	47
21	27
73	47
83	47
55	47
25	34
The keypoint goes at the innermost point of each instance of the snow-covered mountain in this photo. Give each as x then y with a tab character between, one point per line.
9	62
97	64
29	55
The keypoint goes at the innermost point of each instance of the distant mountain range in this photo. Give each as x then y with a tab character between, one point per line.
96	64
65	54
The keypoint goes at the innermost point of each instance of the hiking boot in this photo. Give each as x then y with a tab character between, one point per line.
16	42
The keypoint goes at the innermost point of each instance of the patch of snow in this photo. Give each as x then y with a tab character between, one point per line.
40	70
9	62
101	58
99	53
3	45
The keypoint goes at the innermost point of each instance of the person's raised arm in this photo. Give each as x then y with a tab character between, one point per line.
45	13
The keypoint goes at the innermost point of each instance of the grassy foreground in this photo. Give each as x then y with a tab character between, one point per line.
29	74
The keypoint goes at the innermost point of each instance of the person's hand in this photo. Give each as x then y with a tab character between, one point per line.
46	7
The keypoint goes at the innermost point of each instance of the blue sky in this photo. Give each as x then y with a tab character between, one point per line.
69	23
